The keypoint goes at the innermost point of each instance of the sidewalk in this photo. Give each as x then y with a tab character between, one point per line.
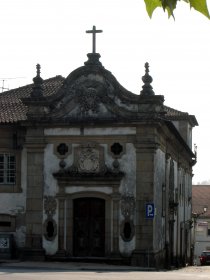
73	266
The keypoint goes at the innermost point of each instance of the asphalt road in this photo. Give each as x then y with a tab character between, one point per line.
100	273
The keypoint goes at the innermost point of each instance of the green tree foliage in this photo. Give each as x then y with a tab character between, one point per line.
170	6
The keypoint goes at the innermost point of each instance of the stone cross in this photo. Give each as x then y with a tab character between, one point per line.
94	31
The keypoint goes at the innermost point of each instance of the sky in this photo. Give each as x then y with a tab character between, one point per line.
53	33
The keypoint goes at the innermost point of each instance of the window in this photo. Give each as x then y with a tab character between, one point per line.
10	171
7	169
117	149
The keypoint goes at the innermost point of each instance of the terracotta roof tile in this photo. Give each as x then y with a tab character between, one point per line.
11	107
175	115
201	199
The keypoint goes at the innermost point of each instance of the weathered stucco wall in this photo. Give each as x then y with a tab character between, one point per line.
15	203
127	164
159	196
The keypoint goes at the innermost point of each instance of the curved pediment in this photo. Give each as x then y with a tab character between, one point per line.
92	92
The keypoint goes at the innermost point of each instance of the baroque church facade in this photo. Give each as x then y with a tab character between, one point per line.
91	170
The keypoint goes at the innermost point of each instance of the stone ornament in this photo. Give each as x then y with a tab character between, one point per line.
50	205
89	95
88	100
88	160
127	229
50	225
89	163
127	205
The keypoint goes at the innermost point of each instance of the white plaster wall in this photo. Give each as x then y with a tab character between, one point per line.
51	165
12	203
15	203
176	215
127	165
187	134
51	247
159	180
183	186
176	124
128	186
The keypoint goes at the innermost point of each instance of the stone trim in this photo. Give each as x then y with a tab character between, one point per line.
68	152
66	222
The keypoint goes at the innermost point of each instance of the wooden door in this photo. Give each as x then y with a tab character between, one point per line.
89	227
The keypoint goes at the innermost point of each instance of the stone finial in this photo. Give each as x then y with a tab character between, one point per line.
37	87
93	59
147	80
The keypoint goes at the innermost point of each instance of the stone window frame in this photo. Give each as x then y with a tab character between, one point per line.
7	218
16	187
132	227
121	154
50	219
55	145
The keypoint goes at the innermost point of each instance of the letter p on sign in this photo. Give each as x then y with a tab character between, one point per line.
150	210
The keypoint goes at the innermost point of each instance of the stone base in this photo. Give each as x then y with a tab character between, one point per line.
147	259
32	254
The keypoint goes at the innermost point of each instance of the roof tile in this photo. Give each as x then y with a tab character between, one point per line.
12	108
201	199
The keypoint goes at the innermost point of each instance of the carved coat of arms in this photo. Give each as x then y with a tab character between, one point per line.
88	160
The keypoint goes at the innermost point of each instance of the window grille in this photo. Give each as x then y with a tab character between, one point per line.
7	169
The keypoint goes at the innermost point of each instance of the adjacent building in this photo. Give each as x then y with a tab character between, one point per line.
201	220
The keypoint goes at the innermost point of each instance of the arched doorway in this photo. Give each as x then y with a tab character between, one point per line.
89	227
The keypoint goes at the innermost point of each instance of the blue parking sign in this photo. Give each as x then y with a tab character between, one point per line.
150	210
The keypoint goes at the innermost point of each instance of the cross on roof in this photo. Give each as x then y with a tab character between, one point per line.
94	31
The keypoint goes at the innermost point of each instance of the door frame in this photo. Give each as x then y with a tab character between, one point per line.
66	221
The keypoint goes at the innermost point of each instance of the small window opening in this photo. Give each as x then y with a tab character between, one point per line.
50	229
116	149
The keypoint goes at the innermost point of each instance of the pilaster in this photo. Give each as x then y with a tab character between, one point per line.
145	153
35	145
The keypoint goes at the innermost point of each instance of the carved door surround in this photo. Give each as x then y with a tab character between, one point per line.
66	221
88	170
